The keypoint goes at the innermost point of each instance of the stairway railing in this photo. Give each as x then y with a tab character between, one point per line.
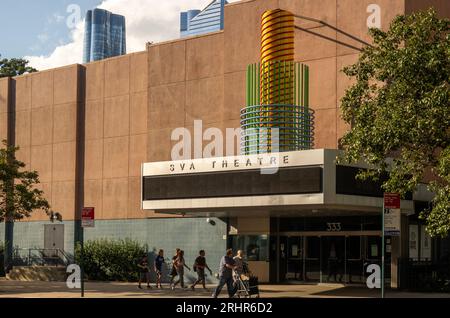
41	257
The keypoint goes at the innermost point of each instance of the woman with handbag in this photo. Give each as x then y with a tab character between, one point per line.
180	264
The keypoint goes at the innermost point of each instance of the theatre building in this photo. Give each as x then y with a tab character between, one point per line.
227	139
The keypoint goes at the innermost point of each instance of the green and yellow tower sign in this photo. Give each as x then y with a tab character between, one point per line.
277	116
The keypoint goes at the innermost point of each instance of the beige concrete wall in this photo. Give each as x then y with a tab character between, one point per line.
442	6
45	130
260	270
116	135
326	58
186	83
253	226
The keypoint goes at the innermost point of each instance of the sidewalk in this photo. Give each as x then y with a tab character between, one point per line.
17	289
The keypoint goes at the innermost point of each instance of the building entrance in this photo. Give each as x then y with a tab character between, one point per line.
325	258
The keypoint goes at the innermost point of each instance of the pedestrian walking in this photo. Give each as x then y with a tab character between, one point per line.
239	263
227	265
144	273
180	264
199	266
173	271
159	261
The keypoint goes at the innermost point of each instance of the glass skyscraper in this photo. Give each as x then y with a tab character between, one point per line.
104	35
210	19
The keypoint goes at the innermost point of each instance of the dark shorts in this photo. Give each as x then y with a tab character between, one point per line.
173	272
143	275
201	273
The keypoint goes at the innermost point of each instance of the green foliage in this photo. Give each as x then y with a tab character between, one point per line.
109	260
14	67
19	196
399	108
439	216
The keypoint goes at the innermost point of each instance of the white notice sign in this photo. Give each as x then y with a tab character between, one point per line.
392	222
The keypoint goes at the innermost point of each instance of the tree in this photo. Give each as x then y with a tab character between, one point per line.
14	67
19	196
399	108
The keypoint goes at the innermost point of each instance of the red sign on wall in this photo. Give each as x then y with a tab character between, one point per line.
392	201
88	217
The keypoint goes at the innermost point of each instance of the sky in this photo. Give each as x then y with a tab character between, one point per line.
49	33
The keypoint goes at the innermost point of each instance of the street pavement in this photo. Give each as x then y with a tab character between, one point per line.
16	289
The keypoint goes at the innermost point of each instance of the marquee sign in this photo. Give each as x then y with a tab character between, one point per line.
267	163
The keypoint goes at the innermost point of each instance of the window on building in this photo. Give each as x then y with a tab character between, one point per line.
373	247
313	247
414	242
419	243
255	247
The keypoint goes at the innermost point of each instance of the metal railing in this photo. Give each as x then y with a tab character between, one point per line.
424	276
40	257
295	126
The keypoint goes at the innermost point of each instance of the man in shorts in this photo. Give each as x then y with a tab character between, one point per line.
143	271
199	267
159	261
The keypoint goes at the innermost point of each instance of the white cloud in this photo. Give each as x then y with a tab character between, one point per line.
147	21
70	53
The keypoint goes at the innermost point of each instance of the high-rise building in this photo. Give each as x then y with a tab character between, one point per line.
210	19
104	35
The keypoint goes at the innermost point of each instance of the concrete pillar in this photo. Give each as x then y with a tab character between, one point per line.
11	141
80	154
400	250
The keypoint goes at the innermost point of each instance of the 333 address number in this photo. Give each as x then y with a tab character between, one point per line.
334	227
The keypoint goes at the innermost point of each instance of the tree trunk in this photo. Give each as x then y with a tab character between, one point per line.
9	244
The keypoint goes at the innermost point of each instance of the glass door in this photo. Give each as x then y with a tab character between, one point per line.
312	262
328	259
354	260
333	259
283	258
294	255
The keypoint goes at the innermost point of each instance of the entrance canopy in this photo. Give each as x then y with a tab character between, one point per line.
277	184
